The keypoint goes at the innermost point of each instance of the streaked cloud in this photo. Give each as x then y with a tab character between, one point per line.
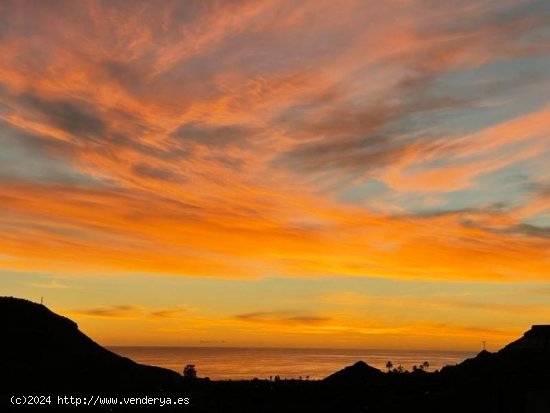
168	312
452	303
282	317
53	283
113	311
128	312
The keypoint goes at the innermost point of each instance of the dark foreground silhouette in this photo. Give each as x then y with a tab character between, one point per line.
45	354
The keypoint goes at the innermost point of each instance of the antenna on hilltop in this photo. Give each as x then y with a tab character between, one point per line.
41	300
484	345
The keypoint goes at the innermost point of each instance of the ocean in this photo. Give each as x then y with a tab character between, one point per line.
247	363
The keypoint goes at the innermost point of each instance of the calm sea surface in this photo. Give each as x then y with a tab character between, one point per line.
247	363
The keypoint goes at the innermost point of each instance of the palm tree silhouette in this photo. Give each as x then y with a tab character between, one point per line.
425	366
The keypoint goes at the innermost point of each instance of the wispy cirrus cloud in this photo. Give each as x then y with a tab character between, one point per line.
204	139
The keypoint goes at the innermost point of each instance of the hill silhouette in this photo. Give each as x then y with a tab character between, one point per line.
44	353
515	379
360	372
537	339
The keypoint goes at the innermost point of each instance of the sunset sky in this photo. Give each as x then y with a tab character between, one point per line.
362	174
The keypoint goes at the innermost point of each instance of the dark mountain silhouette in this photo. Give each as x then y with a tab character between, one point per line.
45	354
42	351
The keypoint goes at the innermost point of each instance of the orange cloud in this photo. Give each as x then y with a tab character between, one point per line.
220	152
98	229
115	311
282	318
127	312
